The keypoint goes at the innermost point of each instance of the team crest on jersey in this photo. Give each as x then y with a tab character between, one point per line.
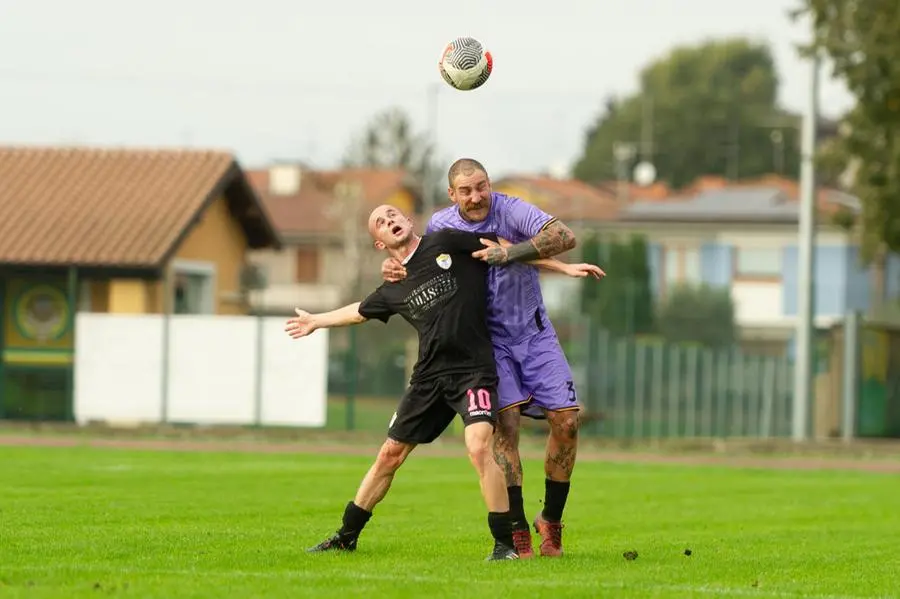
444	261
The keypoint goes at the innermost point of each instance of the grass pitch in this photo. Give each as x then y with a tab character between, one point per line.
87	522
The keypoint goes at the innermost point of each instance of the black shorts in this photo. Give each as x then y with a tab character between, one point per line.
428	407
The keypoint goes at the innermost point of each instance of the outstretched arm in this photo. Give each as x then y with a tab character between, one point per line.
555	238
305	323
580	270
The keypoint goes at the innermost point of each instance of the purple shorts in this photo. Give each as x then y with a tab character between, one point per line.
535	376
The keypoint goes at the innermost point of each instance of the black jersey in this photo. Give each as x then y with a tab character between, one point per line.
444	296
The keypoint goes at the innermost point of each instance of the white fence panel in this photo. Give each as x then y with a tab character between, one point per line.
118	368
294	377
212	369
221	370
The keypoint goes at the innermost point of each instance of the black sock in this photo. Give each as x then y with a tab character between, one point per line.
501	527
555	496
355	519
517	508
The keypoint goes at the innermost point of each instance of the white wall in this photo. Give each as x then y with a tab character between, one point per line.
280	265
757	303
221	370
307	296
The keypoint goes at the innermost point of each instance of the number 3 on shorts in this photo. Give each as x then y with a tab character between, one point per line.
479	399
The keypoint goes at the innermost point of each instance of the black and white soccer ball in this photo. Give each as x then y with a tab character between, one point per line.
465	64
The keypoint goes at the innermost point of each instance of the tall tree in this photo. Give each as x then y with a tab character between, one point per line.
698	314
390	141
702	110
623	304
861	38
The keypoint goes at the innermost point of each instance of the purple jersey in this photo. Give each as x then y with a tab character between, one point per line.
516	310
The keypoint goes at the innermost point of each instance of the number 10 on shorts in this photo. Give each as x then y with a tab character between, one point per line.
479	402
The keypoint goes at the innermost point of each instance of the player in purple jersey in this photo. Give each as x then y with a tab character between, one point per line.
535	377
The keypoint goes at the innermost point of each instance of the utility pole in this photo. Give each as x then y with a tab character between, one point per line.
806	261
429	185
349	205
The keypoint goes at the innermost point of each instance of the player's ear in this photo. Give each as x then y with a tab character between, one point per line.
379	245
451	195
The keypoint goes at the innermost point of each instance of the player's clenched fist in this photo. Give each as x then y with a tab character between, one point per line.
301	325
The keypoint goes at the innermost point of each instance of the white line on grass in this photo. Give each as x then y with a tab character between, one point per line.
386	577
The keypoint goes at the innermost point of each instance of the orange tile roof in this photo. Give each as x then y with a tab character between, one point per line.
115	207
570	199
828	200
314	209
825	197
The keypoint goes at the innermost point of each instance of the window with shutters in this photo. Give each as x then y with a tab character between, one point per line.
307	265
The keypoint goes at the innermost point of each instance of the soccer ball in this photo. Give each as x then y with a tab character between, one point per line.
465	64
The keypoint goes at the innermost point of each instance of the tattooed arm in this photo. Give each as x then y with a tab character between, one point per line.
555	238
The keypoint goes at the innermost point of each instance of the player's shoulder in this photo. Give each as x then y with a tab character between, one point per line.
503	200
385	287
444	235
444	215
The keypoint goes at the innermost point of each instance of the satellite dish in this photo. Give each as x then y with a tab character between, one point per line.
644	174
558	170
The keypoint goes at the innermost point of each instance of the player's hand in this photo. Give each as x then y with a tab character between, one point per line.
505	242
301	325
392	270
493	253
580	271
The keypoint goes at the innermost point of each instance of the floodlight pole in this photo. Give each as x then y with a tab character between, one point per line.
803	372
429	191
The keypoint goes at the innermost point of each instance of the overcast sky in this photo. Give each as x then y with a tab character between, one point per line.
295	79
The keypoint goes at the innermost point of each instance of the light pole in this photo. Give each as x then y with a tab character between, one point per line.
806	261
623	154
429	185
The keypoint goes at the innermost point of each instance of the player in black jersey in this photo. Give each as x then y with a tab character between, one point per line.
444	296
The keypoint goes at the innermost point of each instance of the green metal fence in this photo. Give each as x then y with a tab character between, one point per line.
631	387
650	389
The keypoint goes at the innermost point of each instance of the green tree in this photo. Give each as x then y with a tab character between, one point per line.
698	314
390	141
623	302
861	39
708	109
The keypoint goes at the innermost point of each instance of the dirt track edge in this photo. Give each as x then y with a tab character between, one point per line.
437	450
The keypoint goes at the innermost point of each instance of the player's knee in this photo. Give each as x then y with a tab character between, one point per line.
391	456
479	452
479	443
564	425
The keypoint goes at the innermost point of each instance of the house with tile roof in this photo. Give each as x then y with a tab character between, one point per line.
119	231
321	215
744	235
574	202
739	234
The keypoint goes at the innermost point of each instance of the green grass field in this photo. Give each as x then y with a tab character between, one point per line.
87	522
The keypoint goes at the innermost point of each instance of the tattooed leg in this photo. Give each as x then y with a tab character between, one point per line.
506	446
561	449
562	445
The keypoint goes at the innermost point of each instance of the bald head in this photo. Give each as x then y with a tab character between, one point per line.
389	227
